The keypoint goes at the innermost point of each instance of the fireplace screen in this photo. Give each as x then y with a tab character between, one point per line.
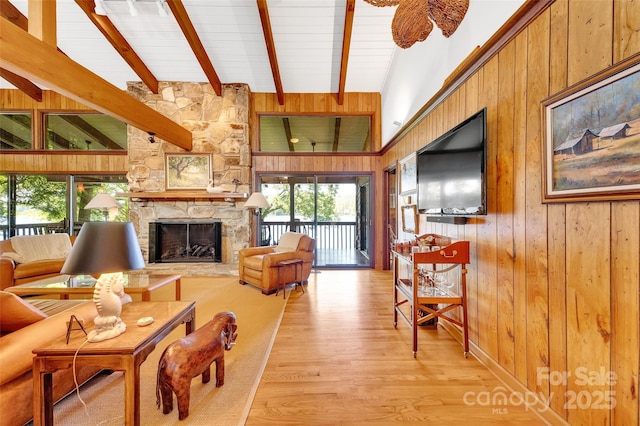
185	241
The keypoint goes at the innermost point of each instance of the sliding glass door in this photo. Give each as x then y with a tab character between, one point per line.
332	209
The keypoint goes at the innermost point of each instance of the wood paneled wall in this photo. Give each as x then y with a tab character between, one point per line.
52	161
553	288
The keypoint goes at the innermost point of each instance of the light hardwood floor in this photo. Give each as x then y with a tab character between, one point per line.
338	360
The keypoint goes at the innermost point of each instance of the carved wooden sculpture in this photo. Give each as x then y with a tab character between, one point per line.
412	20
191	356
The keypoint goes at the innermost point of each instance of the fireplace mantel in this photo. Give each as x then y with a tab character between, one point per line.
185	195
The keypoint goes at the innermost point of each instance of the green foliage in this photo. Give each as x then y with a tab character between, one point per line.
38	196
4	196
304	201
37	192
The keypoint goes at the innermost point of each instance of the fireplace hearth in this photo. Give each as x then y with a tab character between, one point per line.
184	241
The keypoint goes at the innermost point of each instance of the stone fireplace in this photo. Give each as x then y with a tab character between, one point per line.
220	127
179	241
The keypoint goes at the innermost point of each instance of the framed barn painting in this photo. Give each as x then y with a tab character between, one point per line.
592	137
187	171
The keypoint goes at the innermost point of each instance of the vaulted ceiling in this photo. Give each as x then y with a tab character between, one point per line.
293	46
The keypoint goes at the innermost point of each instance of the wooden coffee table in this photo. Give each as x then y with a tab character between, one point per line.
125	352
64	285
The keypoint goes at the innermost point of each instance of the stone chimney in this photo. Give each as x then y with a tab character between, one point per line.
220	127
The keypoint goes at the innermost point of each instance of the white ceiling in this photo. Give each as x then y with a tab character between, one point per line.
307	35
308	42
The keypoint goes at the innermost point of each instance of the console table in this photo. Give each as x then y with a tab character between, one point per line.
420	290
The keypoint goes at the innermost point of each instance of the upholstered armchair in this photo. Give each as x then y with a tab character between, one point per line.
258	265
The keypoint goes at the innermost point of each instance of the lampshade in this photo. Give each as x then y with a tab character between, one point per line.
103	247
257	201
102	201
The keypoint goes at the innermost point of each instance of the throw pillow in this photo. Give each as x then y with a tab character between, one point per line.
15	313
288	242
32	248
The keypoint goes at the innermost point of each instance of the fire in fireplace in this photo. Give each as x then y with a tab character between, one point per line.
185	241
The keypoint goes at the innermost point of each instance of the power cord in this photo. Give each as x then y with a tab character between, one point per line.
75	377
75	381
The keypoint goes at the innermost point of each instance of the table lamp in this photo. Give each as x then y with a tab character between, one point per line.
257	201
108	249
104	202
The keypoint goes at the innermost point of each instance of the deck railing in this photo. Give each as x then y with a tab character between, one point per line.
32	229
328	235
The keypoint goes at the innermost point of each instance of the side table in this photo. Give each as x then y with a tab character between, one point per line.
123	353
283	265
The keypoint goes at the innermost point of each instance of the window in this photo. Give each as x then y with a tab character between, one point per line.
92	131
306	133
40	204
15	130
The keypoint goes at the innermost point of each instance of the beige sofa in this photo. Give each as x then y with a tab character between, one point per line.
17	268
259	265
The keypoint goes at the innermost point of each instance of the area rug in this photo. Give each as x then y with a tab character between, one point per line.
258	318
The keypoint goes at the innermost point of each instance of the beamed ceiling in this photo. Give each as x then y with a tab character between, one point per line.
274	46
293	46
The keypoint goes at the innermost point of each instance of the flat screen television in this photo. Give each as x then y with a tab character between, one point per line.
452	172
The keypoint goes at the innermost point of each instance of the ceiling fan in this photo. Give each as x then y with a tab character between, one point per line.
412	21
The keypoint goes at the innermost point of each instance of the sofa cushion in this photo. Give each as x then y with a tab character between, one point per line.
16	313
31	248
41	267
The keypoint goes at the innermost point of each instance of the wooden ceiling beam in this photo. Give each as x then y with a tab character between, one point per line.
42	21
336	134
48	67
346	44
180	13
10	141
271	48
88	129
287	132
122	46
11	13
22	84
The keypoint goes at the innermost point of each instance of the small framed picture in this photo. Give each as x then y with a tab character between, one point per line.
410	219
408	174
187	171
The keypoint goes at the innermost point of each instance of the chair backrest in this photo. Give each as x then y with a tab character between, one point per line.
294	241
306	243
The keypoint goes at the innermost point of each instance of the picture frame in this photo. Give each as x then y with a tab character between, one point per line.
410	219
187	171
591	140
408	174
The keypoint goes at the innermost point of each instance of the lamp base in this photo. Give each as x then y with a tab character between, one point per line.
106	295
106	328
